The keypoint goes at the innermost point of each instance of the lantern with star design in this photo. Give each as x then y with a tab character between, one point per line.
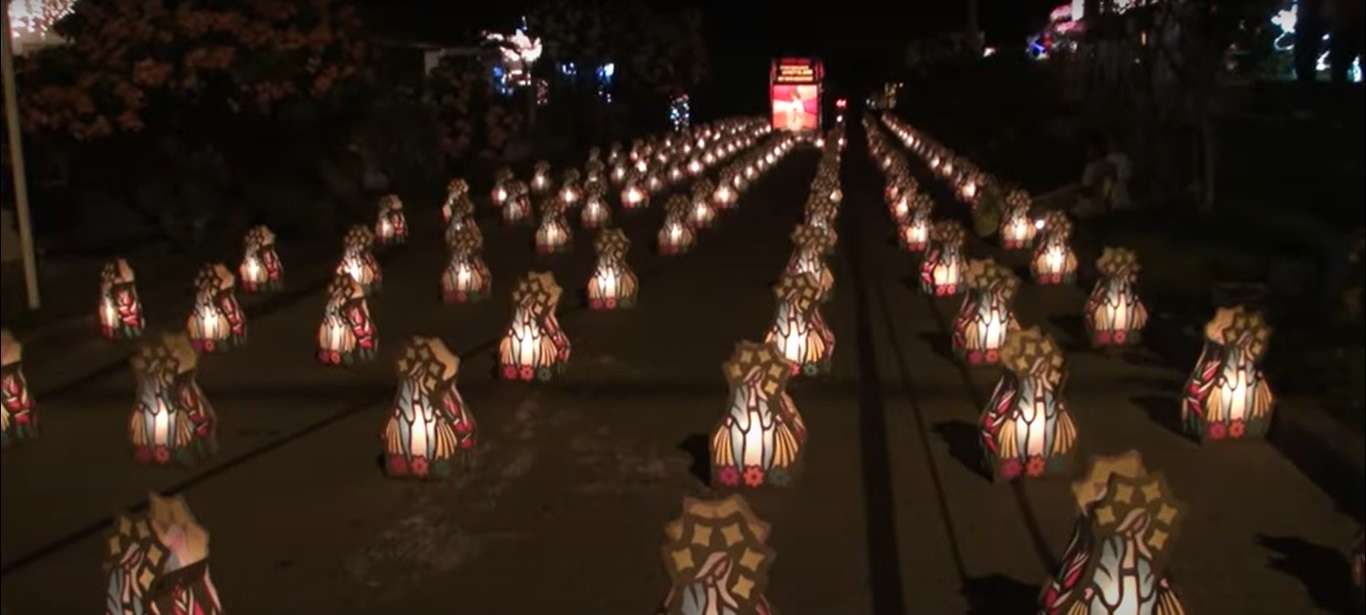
120	310
346	335
553	234
466	277
941	270
1114	314
1017	227
799	329
718	559
986	318
534	346
1026	429
430	430
517	206
613	284
1227	396
458	202
358	259
158	562
760	439
1054	262
458	214
676	235
391	227
260	270
540	178
595	212
172	421
216	321
18	418
1116	561
502	178
810	246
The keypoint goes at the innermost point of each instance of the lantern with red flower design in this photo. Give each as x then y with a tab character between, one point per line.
346	335
534	346
540	178
1026	427
159	562
1227	395
1114	314
358	259
676	235
18	418
216	321
595	212
810	246
1054	262
466	277
799	329
1117	558
517	206
613	284
172	421
986	318
120	310
913	232
941	271
391	227
260	270
430	429
553	234
1017	227
717	557
701	214
760	439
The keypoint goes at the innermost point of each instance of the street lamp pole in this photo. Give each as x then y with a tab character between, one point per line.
17	159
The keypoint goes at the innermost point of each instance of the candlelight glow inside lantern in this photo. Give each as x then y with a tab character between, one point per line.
430	428
540	178
500	192
1117	558
18	419
569	192
358	261
391	228
986	318
172	421
466	277
1115	316
676	235
553	234
941	270
810	245
260	270
724	196
534	346
613	284
1017	229
346	335
517	207
760	439
120	310
633	196
799	330
702	215
1053	261
595	212
1026	428
717	557
216	321
159	562
1227	396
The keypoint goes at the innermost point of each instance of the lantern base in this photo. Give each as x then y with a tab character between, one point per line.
1115	339
1228	431
1004	470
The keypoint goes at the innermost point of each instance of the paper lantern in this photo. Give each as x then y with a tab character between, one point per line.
172	421
540	178
613	284
970	187
718	559
553	234
1116	561
654	183
1115	316
430	429
914	232
1026	428
461	222
534	346
260	270
517	206
941	270
501	179
634	195
570	192
120	310
18	419
986	318
799	330
457	200
760	439
466	277
1017	227
810	246
1054	262
595	212
1227	396
358	259
216	321
900	194
725	195
676	236
702	215
158	563
677	173
346	335
391	228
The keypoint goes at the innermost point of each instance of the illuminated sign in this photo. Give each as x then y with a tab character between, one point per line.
795	93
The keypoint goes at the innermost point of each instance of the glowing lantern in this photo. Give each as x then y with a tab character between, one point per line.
1114	314
570	191
216	322
676	173
760	439
1117	558
540	178
517	207
429	428
986	319
500	193
391	228
552	236
618	174
942	268
1017	228
1053	261
634	196
595	212
159	562
654	183
18	419
695	166
459	216
120	310
1026	428
725	196
260	269
613	284
718	559
970	187
466	277
172	420
799	330
358	261
900	194
457	201
810	245
1227	396
534	346
676	235
346	335
702	215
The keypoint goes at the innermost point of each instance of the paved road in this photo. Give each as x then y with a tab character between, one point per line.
575	480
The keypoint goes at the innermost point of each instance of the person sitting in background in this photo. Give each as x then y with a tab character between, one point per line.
1097	180
1123	170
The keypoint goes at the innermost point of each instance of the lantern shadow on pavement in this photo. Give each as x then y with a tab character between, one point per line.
1322	570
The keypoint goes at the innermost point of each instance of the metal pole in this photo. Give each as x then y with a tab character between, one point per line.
17	160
